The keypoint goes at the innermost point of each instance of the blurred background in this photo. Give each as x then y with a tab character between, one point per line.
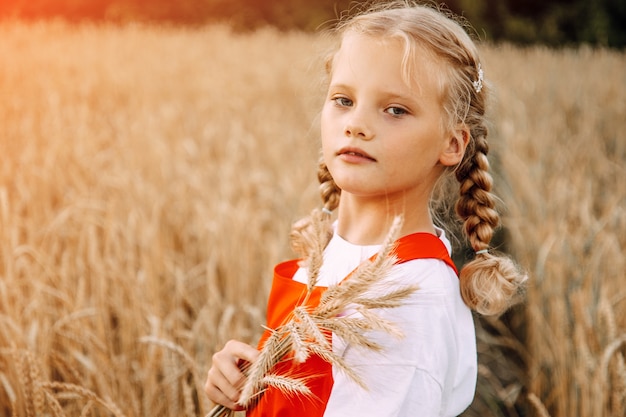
551	22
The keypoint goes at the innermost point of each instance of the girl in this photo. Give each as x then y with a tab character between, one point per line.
404	110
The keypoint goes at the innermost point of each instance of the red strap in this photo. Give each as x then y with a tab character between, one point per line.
423	246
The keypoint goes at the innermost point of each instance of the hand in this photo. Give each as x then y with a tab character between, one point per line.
225	379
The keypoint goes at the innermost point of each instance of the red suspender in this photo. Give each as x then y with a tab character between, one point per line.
423	246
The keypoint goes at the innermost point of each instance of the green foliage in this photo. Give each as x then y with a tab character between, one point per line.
554	22
551	22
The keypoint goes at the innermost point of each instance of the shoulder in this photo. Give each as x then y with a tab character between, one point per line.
433	276
437	306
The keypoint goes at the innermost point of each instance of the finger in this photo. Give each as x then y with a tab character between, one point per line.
217	396
230	361
226	377
241	350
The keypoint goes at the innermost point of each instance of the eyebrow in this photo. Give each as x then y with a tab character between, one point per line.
339	86
388	93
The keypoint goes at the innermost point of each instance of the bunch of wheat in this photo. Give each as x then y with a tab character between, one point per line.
304	333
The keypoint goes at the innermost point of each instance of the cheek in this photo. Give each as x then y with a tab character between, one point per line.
412	157
326	119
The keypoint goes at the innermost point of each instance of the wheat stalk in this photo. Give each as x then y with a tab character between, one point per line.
304	333
84	393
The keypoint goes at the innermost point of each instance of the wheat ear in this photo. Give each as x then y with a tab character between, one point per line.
304	333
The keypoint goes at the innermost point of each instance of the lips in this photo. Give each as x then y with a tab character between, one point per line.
355	153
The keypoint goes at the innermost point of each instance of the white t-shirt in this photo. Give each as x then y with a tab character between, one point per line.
432	370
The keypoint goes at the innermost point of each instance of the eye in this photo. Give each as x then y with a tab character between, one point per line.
396	111
342	101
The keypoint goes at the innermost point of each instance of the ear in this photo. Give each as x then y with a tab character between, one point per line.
454	146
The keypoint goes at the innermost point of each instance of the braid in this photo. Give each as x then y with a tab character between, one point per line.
303	232
490	282
328	189
476	203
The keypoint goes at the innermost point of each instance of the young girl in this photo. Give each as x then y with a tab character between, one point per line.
404	109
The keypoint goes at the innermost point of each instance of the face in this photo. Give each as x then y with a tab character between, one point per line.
383	136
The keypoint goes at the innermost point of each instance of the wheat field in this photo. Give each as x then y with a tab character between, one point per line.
149	177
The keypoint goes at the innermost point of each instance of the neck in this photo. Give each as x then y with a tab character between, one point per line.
364	222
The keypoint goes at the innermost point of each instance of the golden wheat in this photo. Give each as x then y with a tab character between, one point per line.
149	177
564	159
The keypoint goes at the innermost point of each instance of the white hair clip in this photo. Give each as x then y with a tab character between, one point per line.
478	84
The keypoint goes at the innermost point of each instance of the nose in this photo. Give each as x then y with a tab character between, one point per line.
358	127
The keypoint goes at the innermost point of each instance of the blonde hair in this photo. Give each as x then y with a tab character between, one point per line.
491	281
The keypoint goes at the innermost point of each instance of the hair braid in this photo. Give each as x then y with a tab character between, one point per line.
304	232
490	282
476	203
328	189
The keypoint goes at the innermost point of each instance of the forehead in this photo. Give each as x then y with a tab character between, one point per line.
361	55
